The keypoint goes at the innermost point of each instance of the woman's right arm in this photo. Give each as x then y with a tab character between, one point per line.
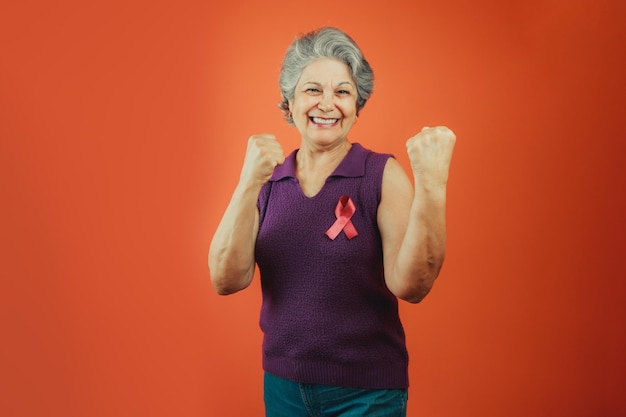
231	254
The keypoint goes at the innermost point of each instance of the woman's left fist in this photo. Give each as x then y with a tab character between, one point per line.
430	153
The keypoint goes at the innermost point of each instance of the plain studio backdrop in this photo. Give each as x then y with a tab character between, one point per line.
123	126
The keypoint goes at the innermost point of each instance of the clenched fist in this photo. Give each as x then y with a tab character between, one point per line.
430	152
263	154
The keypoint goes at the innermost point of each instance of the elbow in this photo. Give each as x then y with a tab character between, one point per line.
222	290
225	282
226	289
228	285
416	289
415	285
414	295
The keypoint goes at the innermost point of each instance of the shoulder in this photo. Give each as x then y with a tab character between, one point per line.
364	152
396	185
386	162
393	169
373	162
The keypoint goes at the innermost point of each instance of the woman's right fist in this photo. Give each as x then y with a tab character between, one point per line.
263	154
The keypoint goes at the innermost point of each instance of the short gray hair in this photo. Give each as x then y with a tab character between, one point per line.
326	42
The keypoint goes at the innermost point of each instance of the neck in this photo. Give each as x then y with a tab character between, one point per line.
311	158
314	166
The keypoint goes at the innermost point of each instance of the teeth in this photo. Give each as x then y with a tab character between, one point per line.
321	121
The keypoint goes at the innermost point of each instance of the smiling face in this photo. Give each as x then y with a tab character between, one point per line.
324	104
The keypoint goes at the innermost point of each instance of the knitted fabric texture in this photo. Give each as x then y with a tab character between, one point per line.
327	315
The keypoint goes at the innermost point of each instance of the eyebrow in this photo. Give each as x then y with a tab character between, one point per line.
319	84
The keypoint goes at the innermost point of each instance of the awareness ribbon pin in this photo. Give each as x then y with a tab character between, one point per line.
343	212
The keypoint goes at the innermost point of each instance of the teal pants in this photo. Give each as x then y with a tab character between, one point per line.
284	398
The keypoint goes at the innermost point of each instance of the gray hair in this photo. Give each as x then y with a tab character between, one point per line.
326	42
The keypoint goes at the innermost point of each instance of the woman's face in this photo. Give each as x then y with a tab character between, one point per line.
324	104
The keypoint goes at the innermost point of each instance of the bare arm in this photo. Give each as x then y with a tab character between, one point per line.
412	218
231	254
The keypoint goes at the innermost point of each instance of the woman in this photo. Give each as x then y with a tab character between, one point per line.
339	233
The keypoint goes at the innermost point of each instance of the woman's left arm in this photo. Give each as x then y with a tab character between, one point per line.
412	219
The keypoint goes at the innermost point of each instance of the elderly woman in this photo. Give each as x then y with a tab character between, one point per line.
339	234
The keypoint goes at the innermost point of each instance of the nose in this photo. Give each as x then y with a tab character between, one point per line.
326	103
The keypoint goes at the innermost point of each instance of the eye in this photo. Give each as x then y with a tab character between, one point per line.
343	92
313	90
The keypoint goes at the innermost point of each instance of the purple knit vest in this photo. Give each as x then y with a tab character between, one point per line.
327	315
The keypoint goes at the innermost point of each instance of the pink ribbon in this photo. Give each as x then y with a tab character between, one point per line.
343	212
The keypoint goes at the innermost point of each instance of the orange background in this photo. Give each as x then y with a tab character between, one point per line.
123	127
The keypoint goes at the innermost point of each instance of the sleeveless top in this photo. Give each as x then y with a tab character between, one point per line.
327	315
